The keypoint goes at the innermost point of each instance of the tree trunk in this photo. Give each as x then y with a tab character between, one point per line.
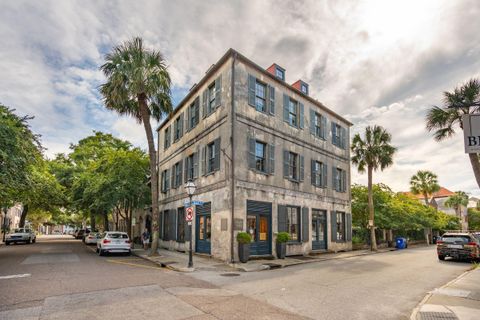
142	103
23	217
92	221
425	196
105	221
373	240
475	166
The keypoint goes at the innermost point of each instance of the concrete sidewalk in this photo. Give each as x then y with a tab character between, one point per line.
178	261
458	299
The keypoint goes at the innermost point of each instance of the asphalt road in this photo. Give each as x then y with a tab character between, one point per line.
61	278
380	286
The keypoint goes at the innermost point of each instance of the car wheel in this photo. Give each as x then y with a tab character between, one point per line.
441	258
100	252
29	240
34	240
7	243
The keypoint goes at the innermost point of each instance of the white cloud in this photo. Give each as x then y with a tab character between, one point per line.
377	62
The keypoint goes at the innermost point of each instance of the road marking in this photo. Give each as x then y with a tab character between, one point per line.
13	276
133	264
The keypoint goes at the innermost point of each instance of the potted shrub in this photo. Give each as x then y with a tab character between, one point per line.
243	240
281	244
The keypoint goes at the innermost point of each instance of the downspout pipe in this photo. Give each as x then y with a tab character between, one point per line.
232	169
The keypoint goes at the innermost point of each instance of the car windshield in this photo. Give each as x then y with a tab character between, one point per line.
21	230
117	236
456	239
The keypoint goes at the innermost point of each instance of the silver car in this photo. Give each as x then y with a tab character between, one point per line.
113	242
21	235
92	238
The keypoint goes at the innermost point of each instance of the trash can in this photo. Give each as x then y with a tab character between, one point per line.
400	243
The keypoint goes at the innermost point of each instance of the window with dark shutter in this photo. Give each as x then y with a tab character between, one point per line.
333	225
324	175
300	115
181	224
271	100
286	163
286	102
271	159
218	91
305	225
204	160
216	165
204	103
251	90
301	173
251	152
348	227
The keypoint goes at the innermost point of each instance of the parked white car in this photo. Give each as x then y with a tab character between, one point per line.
92	238
113	242
21	235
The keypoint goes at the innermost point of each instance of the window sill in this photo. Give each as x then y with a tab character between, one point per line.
261	172
294	242
292	180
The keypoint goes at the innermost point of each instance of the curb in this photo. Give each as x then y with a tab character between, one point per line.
415	311
163	265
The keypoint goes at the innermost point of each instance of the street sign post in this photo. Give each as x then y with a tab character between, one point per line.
471	132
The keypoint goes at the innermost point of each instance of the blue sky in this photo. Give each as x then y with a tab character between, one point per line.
375	62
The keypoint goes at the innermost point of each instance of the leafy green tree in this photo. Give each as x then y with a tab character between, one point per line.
372	153
443	120
456	202
474	219
425	183
20	149
138	85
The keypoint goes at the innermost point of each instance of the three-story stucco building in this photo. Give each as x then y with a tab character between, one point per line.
265	158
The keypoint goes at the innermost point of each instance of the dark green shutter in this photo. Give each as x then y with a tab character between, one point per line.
251	90
312	122
251	152
186	118
333	225
334	181
271	99
204	160
204	103
195	165
172	220
180	165
313	171
167	180
334	139
271	159
282	218
181	126
160	224
348	231
197	111
216	162
286	163
218	91
344	138
301	112
186	166
301	173
325	175
172	177
324	127
344	181
305	225
286	100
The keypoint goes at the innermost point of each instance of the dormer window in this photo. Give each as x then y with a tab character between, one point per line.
304	88
280	73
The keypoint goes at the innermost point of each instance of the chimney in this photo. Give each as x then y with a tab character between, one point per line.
277	71
301	86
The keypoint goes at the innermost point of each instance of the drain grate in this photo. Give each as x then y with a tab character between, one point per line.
273	265
438	316
230	274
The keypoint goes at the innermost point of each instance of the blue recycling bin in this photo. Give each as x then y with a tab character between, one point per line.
400	243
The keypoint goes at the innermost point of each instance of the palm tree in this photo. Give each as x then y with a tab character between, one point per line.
425	183
462	100
372	153
138	85
456	201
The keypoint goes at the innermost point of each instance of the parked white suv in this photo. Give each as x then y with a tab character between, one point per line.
21	235
114	242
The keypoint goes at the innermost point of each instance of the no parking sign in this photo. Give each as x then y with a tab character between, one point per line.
189	215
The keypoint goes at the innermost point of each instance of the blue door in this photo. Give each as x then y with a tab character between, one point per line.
203	228
259	226
319	229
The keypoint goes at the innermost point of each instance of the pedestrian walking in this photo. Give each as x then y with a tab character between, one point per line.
146	239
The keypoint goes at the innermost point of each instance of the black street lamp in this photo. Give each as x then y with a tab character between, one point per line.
190	187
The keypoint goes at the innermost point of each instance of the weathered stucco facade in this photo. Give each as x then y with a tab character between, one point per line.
273	154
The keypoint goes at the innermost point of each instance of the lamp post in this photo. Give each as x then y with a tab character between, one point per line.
190	187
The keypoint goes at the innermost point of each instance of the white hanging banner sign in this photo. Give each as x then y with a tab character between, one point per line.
471	132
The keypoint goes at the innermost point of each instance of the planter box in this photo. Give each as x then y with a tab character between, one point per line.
243	252
281	249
